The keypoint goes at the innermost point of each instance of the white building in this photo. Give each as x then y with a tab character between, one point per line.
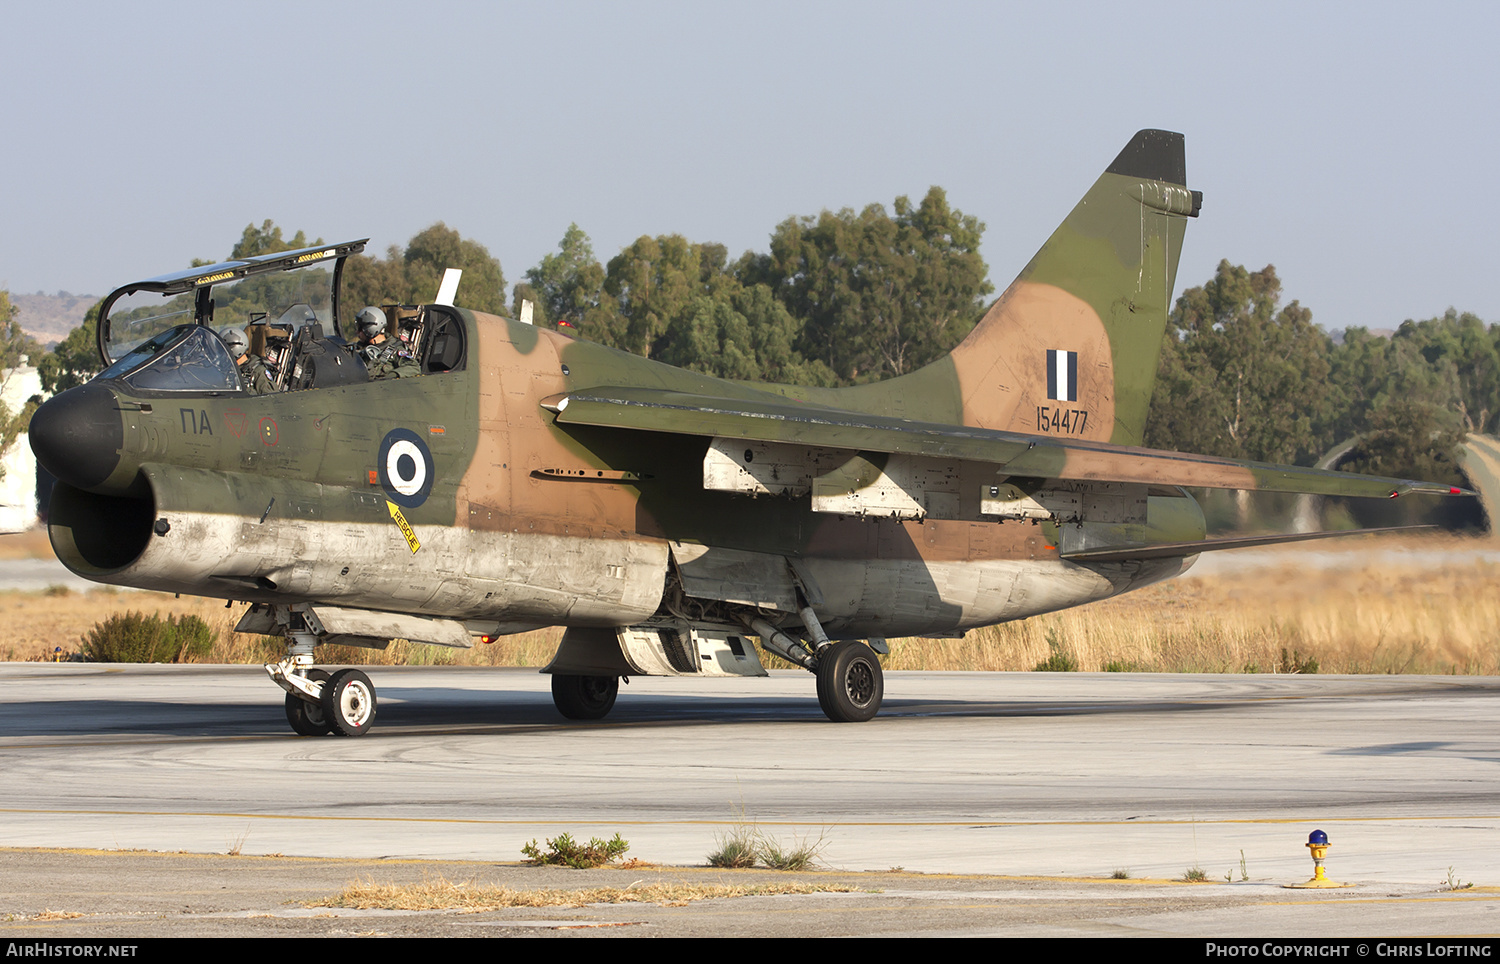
18	486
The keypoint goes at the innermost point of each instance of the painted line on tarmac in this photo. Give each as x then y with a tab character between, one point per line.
973	824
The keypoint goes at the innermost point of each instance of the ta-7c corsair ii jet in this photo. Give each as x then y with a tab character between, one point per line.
517	478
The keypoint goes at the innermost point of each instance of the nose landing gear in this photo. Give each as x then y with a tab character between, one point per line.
319	704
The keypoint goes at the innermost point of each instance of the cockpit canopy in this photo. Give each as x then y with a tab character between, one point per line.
289	287
185	358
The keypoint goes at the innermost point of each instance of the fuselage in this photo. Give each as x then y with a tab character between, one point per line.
455	494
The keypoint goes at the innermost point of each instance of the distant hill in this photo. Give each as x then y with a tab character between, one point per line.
49	318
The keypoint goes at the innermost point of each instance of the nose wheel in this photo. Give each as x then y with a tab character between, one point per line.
349	702
307	718
319	704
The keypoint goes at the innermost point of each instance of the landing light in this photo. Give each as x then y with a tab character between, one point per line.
1317	843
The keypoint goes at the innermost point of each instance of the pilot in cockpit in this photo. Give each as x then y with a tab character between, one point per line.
383	356
252	369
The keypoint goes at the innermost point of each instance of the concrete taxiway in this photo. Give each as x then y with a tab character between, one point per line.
1020	775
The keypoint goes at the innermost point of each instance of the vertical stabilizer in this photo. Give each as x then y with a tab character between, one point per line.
1071	347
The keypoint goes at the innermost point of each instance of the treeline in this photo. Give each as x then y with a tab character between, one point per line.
1243	376
840	298
847	297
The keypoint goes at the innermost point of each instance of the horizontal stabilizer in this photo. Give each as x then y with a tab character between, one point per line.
771	418
1173	550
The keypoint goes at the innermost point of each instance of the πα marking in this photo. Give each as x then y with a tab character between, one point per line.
195	420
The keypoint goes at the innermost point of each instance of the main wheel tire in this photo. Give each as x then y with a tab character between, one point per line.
584	697
349	702
850	683
306	718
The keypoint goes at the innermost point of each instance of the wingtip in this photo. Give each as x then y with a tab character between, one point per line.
1430	488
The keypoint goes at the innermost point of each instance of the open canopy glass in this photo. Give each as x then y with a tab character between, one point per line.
289	287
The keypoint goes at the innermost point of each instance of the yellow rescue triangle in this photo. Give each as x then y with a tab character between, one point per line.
403	525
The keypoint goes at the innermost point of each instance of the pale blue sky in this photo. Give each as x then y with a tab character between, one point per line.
1352	145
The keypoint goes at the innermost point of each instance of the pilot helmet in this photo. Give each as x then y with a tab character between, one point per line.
369	322
234	339
297	316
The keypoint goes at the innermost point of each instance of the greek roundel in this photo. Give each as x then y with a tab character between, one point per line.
406	469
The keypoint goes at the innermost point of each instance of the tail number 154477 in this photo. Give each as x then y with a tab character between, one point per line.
1056	420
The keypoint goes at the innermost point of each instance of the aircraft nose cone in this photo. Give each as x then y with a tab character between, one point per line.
77	436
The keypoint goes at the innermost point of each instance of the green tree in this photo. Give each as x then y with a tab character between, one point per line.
1359	368
740	333
412	276
267	239
878	295
1462	341
369	280
673	300
565	286
1413	426
648	289
1240	376
1411	398
439	247
76	358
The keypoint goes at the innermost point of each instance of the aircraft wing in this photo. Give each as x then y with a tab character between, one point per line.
771	419
1122	552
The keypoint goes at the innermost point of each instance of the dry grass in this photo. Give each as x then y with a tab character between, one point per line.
1368	615
32	624
1361	619
439	893
31	544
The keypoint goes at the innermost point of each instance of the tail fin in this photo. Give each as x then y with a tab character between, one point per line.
1071	347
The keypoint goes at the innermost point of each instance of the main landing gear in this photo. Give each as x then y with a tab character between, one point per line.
850	682
584	697
320	704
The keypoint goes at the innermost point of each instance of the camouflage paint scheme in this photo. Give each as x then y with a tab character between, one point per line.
571	484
